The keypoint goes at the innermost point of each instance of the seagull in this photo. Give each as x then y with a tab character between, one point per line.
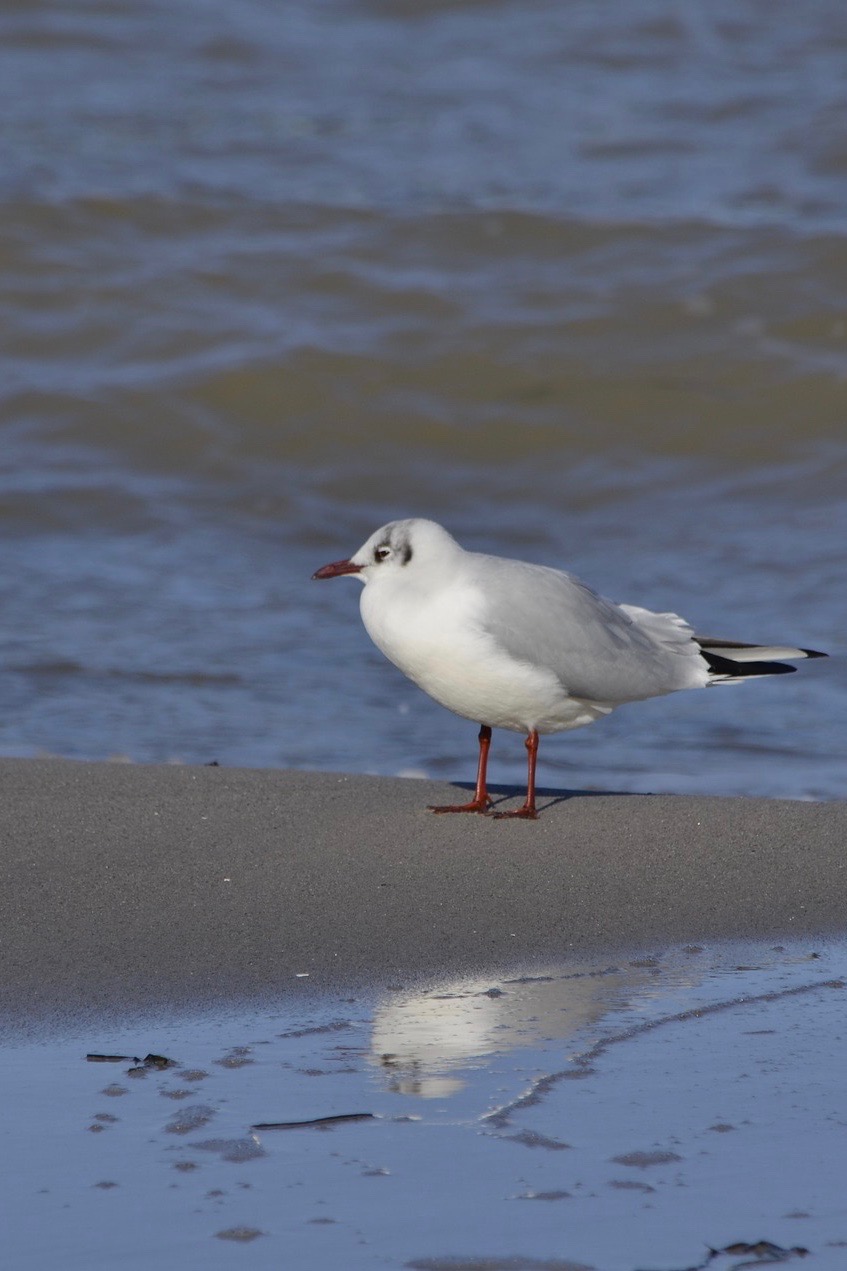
514	645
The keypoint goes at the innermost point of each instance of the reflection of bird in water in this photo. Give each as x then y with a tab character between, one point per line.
405	1075
419	1040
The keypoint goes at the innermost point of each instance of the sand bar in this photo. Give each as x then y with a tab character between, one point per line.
129	887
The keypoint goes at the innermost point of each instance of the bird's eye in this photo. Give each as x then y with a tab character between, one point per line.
382	553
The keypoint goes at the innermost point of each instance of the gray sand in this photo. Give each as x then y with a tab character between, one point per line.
129	887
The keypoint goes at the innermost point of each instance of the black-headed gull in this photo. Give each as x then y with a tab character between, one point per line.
525	647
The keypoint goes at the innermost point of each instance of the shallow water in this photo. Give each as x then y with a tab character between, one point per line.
568	278
613	1117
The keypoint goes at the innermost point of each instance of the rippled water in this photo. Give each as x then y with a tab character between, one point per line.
570	278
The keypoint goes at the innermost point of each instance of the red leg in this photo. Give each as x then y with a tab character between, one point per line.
528	810
480	802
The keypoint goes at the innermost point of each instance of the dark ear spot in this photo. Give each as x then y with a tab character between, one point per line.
407	553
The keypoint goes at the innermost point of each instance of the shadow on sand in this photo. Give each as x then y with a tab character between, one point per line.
549	795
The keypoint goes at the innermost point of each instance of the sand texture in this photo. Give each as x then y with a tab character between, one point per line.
132	887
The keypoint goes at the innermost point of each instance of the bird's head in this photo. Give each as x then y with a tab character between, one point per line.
401	548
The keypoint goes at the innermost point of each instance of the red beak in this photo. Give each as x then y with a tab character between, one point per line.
336	569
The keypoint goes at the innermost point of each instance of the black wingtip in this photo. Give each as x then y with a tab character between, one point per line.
744	670
814	653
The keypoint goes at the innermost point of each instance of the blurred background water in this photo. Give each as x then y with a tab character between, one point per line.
569	277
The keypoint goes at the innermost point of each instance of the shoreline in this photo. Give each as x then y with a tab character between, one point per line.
134	888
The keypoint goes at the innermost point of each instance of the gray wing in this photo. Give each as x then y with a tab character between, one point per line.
598	650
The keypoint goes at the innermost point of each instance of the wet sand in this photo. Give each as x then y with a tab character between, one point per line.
132	888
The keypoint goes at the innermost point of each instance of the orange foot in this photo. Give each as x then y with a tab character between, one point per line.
476	805
525	813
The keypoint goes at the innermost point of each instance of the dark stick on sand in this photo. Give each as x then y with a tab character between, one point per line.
314	1121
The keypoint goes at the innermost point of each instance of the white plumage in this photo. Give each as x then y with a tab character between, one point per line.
524	647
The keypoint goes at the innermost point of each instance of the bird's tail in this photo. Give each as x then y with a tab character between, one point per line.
731	663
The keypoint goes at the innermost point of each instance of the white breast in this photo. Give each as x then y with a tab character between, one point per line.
436	639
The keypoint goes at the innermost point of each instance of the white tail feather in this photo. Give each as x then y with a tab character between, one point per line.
757	652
